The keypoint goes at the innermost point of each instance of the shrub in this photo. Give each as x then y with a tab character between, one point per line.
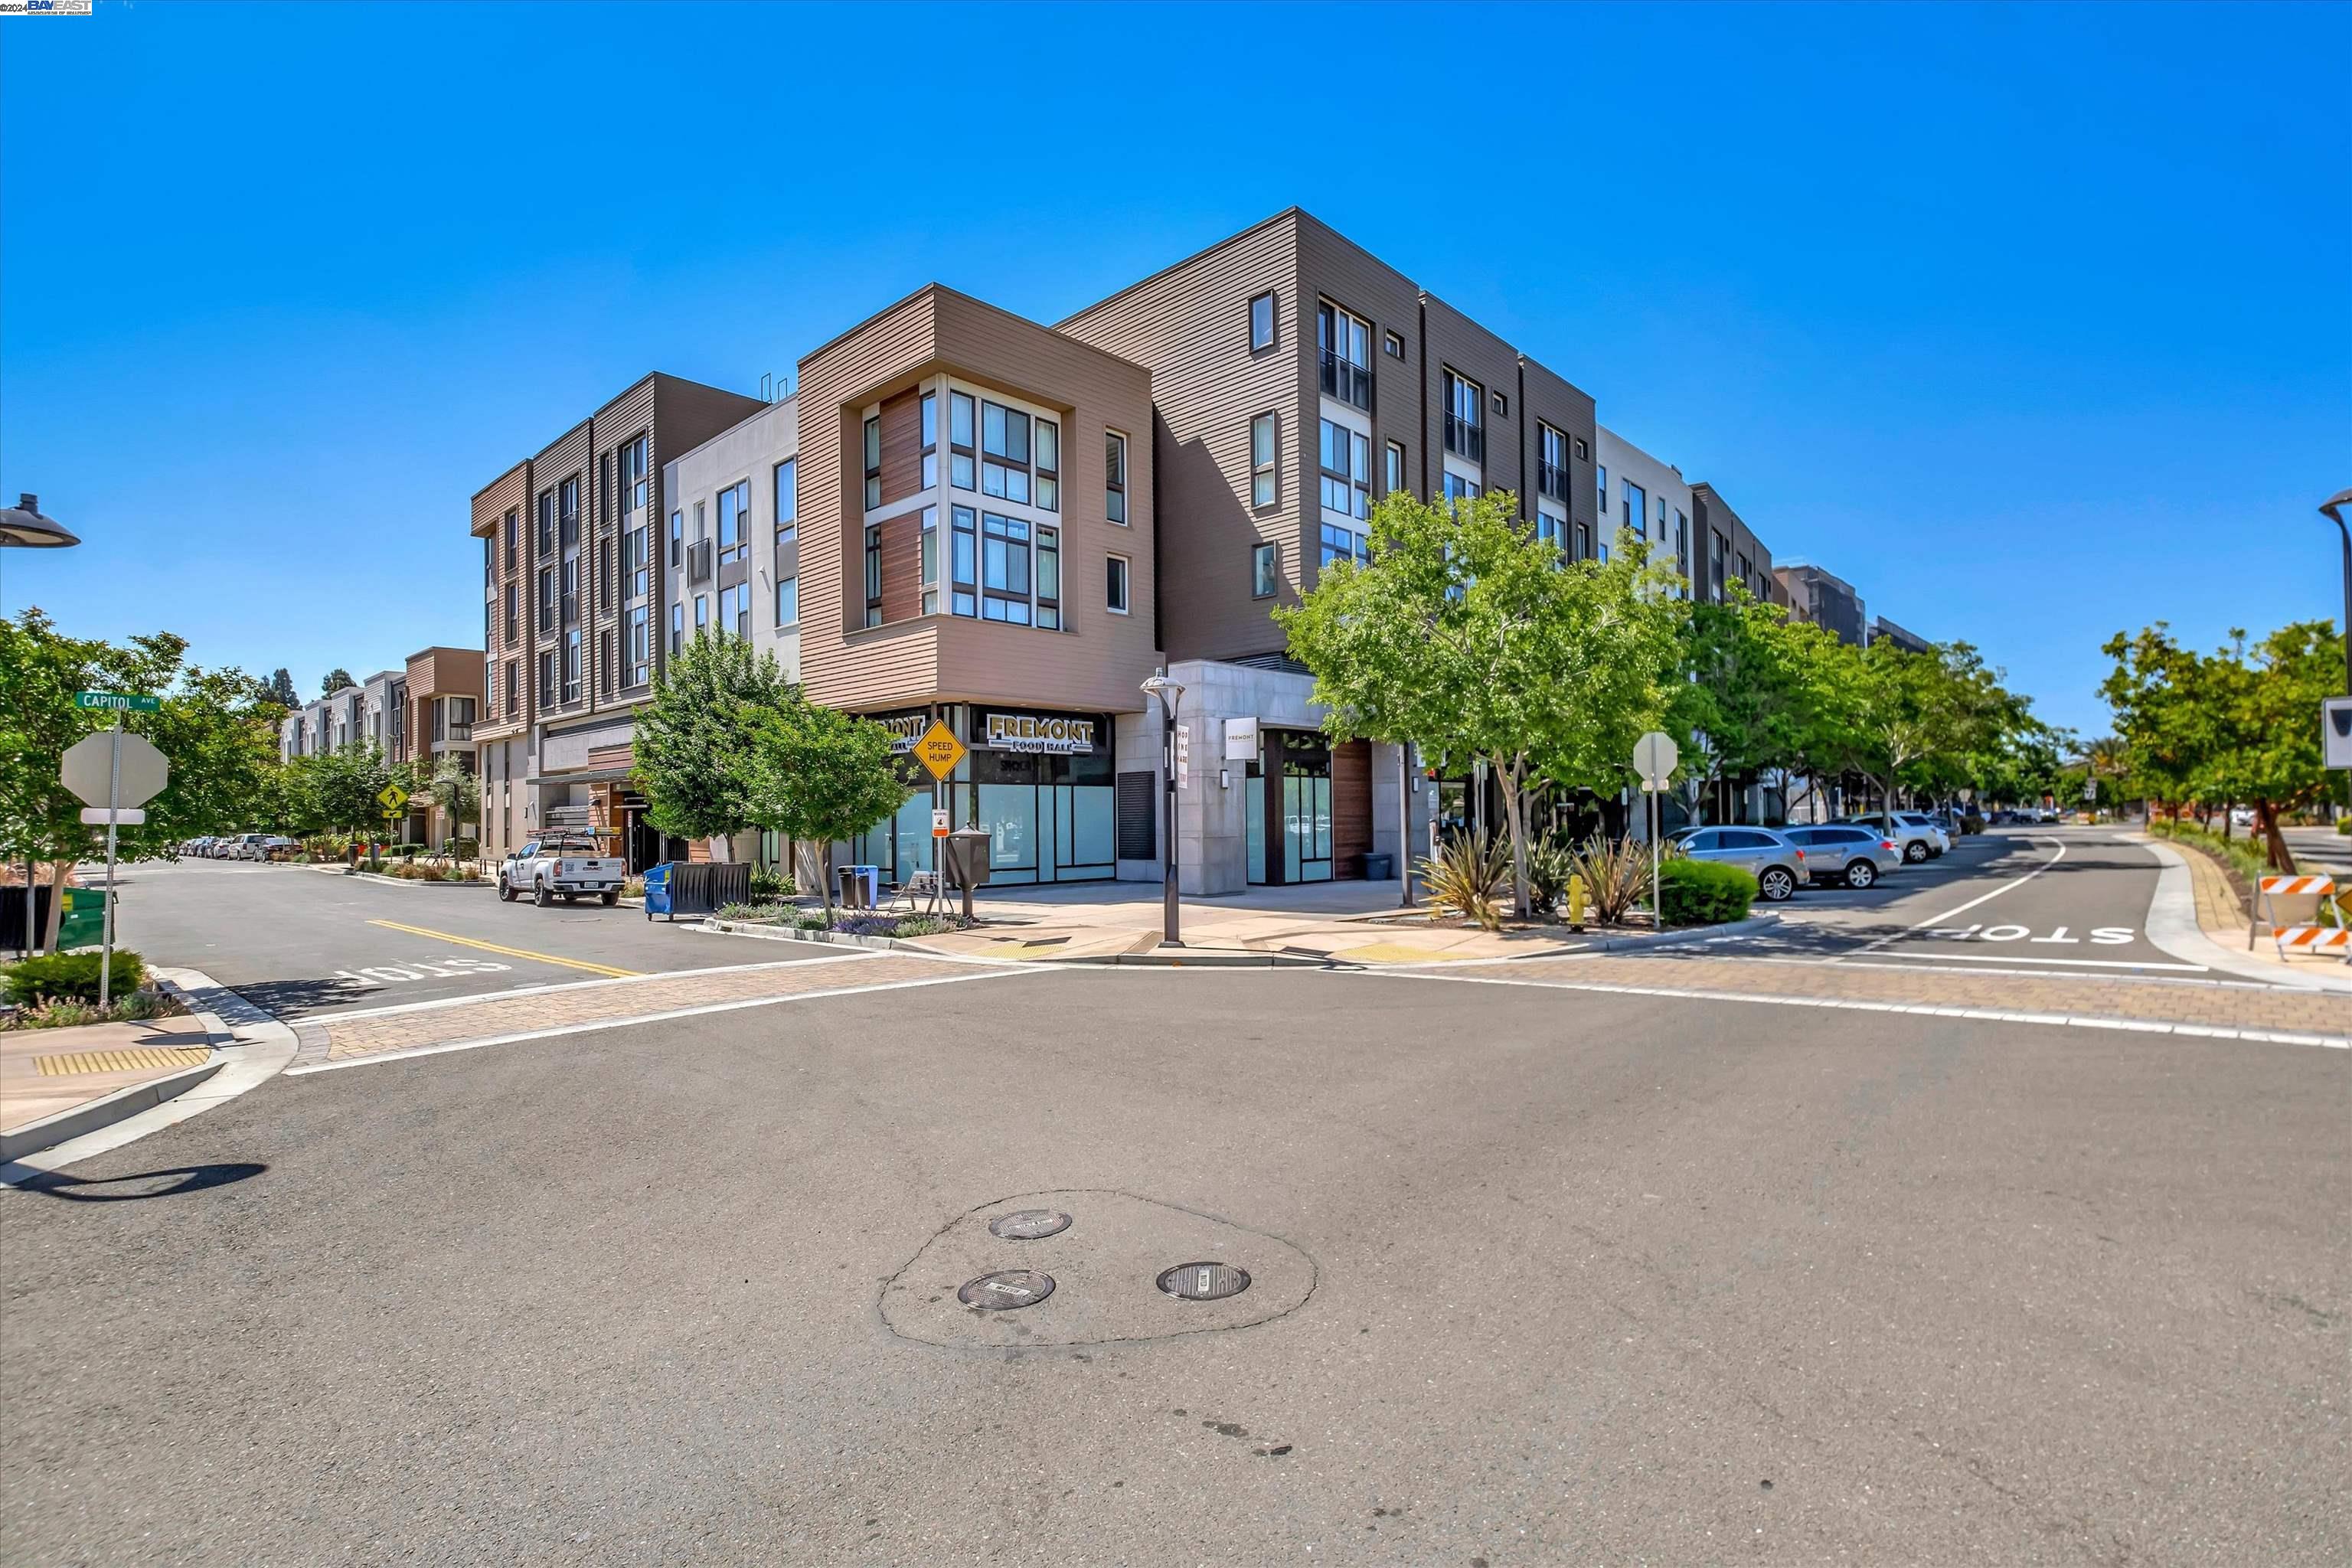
1469	876
634	888
462	848
757	913
920	925
1549	866
70	977
2343	827
810	920
1703	892
1616	873
770	887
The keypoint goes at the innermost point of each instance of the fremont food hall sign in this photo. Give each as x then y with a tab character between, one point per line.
1039	733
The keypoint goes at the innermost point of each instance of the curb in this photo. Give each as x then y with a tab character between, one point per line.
823	938
1681	936
249	1048
1214	960
398	881
2172	925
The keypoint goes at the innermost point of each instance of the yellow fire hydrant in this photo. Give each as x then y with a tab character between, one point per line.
1575	902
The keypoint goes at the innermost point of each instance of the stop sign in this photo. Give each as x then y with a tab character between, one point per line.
89	760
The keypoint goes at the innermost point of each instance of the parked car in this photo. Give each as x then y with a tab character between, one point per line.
1915	832
249	846
277	846
563	866
1837	853
1957	820
1778	865
193	848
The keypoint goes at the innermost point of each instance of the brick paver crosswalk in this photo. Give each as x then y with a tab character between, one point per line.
337	1038
2248	1011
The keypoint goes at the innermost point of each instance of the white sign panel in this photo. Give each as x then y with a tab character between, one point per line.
99	816
88	763
2336	731
1184	756
1241	740
1654	756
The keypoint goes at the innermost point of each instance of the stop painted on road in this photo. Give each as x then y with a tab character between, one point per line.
2063	936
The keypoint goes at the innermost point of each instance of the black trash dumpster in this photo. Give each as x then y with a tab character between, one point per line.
701	888
13	934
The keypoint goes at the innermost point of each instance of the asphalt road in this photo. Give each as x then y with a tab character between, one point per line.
1549	1279
300	941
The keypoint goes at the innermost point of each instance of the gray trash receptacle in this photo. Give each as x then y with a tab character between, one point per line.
1378	867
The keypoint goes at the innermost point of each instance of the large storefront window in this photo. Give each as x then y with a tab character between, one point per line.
1041	785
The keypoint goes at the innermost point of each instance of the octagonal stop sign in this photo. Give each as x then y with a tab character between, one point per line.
90	760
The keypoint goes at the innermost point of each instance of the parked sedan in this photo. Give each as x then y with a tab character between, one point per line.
1837	853
1778	865
1915	832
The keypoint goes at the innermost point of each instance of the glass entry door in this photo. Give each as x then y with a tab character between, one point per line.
1306	827
1290	814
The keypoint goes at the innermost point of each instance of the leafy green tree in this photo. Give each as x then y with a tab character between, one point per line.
344	784
1467	634
220	740
280	688
693	743
457	791
1749	696
336	679
818	775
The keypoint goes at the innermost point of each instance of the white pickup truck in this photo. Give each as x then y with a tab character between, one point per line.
565	867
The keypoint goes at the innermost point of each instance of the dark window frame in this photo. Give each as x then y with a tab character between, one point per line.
1273	323
1265	569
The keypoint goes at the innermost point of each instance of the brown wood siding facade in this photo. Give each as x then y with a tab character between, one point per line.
1456	342
1334	268
1096	663
902	446
509	491
1351	808
902	566
1191	325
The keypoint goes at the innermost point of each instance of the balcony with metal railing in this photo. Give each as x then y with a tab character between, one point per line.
1552	479
1465	439
1347	381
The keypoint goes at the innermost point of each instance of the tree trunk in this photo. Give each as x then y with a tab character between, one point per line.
2266	824
2225	822
60	874
1515	812
825	880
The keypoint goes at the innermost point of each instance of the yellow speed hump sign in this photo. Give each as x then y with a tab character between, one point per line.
938	750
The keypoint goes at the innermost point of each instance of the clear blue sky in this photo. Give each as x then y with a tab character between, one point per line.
2035	322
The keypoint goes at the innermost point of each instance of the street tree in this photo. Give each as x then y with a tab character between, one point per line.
336	679
1748	694
280	688
1467	634
457	791
693	741
816	775
345	786
219	739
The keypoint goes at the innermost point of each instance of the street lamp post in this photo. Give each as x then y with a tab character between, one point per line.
22	526
2332	508
1170	694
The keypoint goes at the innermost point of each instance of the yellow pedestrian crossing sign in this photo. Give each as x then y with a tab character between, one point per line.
392	797
938	750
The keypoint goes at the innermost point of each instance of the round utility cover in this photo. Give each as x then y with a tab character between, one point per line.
1028	1225
1205	1282
1002	1292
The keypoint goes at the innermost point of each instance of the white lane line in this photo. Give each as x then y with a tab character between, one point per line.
1945	919
439	1002
2067	962
1939	1010
662	1017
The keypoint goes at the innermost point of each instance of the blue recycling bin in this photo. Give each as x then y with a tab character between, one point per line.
658	890
861	886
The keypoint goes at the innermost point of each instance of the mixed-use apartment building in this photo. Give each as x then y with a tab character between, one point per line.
957	515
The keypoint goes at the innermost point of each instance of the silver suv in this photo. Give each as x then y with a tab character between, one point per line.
1915	833
1838	853
1778	865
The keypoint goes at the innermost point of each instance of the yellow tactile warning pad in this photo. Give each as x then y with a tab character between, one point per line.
136	1058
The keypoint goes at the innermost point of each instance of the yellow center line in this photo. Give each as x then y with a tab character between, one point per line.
512	952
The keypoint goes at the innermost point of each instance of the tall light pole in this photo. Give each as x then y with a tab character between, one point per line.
1170	694
22	526
2332	508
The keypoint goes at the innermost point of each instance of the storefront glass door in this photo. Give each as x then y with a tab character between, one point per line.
1306	827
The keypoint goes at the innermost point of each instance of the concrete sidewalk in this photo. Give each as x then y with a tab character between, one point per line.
1352	922
2205	922
47	1073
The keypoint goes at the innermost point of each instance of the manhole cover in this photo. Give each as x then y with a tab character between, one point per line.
1029	1224
1002	1292
1205	1282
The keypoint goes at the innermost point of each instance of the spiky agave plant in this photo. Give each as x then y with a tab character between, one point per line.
1470	876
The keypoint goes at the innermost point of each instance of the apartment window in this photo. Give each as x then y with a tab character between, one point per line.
930	561
735	611
930	429
1458	488
639	631
546	523
1346	465
1004	451
514	687
1637	508
604	595
873	575
1261	323
604	664
1115	476
632	475
1263	452
964	562
1345	345
548	599
547	689
788	499
1395	475
1049	465
1601	481
873	463
1583	543
1552	463
571	665
676	629
1466	424
1682	542
1502	407
676	540
568	509
787	601
702	615
1005	569
1394	343
1338	544
1115	586
1715	567
512	532
635	562
571	589
514	612
961	442
1583	451
1551	530
1266	569
1049	578
734	523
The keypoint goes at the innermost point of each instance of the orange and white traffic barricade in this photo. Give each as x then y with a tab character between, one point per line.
2289	906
